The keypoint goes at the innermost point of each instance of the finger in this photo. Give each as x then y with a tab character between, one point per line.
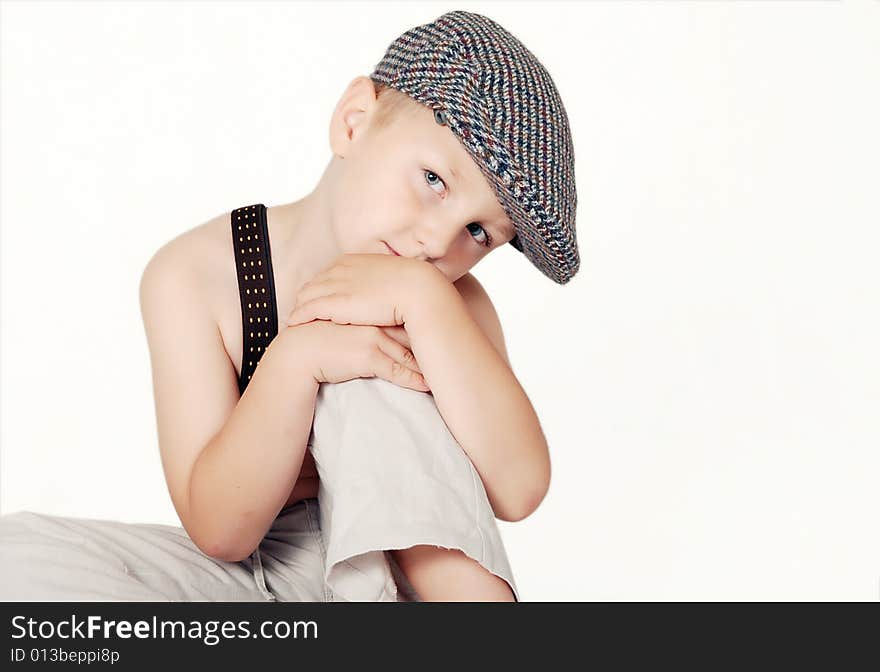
338	308
399	354
327	274
399	334
408	377
402	375
313	290
308	302
308	311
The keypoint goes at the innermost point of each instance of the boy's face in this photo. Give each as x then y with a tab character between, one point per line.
411	185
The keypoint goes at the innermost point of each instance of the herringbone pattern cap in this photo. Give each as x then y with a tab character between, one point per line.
503	107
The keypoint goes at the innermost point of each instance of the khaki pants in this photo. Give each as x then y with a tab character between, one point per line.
392	476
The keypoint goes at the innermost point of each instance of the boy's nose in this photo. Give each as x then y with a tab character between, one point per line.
435	239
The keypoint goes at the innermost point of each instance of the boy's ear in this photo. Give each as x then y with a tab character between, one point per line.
351	116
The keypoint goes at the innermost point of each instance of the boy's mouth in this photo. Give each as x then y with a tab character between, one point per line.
395	252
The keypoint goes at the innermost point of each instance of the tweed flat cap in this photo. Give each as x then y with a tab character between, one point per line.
503	107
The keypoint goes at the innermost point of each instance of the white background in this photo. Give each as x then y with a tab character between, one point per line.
708	383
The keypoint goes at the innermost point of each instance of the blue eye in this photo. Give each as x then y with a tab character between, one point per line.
429	174
488	241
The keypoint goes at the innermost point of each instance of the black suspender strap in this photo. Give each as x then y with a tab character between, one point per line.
256	286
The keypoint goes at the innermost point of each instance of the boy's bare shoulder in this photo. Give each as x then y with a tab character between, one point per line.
199	249
200	261
200	256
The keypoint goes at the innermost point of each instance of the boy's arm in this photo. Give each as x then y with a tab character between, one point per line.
480	399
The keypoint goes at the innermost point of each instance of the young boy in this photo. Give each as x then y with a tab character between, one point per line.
455	145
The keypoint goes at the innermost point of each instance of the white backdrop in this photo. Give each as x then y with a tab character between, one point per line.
708	383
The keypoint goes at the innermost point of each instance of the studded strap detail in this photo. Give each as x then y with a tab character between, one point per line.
256	286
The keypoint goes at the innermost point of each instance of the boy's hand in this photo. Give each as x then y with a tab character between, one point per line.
334	353
365	289
400	335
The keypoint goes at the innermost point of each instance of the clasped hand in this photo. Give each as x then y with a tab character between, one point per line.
365	289
375	297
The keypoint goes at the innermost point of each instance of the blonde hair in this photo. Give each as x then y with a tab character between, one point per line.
392	105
